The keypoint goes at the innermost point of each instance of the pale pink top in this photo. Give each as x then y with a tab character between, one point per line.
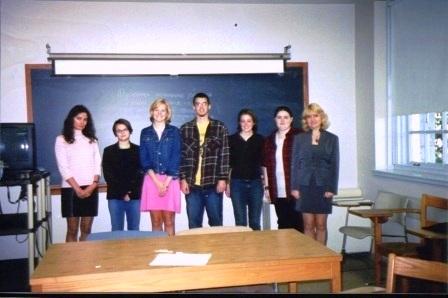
80	160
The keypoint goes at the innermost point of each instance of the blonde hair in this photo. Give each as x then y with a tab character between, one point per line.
155	104
314	108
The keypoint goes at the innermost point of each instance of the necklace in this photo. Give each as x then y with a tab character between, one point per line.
316	138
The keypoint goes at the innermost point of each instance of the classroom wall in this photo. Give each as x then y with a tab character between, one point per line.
321	34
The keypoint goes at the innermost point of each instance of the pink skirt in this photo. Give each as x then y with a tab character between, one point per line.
151	199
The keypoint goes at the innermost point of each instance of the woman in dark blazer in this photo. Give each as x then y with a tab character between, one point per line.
315	171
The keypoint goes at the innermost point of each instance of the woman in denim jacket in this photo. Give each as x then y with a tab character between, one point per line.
160	146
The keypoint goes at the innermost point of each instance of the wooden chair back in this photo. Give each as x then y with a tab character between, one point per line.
416	268
434	202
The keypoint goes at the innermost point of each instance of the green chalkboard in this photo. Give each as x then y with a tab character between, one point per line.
112	97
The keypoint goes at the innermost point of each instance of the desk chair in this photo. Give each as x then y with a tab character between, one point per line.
429	201
407	267
114	235
432	232
422	249
428	204
384	200
416	268
357	232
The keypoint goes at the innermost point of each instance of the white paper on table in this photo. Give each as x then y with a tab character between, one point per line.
180	259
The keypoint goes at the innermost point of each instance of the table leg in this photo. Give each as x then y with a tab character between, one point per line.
292	287
336	278
437	247
31	248
377	256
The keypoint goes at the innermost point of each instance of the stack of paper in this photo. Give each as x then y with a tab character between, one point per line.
180	259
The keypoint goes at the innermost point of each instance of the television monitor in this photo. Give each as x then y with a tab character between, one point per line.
17	146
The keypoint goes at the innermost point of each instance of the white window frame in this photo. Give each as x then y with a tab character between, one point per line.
401	165
403	133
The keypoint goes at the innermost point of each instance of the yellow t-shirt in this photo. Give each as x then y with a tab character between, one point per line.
202	127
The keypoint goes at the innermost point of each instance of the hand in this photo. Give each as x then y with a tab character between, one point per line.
328	195
87	192
166	185
267	197
184	187
221	186
162	188
295	194
127	198
81	193
228	190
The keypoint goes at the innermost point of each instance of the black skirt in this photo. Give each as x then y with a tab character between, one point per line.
72	206
312	199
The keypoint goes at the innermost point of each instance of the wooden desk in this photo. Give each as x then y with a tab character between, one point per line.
434	242
378	217
244	258
427	234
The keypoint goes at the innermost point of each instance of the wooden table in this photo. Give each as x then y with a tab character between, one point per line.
378	217
238	259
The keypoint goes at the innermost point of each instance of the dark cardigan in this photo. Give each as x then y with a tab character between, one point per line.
122	172
269	161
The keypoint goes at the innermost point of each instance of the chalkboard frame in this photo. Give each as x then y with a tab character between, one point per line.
55	189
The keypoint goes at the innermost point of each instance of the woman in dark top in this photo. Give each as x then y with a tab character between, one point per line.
121	168
246	188
277	163
315	171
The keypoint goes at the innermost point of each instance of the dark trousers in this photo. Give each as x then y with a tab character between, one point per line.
247	198
288	217
200	199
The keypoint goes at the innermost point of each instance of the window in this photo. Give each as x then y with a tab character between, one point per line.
422	140
415	141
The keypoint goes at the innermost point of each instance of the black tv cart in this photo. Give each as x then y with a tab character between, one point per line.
36	222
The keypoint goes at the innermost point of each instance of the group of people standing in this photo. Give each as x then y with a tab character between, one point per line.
295	169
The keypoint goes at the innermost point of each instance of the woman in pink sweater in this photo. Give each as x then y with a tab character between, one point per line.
79	163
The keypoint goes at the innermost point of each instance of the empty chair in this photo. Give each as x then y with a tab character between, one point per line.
384	200
424	249
212	230
407	267
114	235
416	268
428	202
433	228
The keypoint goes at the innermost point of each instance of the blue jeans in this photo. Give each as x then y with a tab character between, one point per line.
118	208
247	196
204	198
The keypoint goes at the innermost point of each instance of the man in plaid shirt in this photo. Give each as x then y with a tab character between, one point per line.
204	168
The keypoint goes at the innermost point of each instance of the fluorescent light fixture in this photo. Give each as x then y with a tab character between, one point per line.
166	64
171	67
